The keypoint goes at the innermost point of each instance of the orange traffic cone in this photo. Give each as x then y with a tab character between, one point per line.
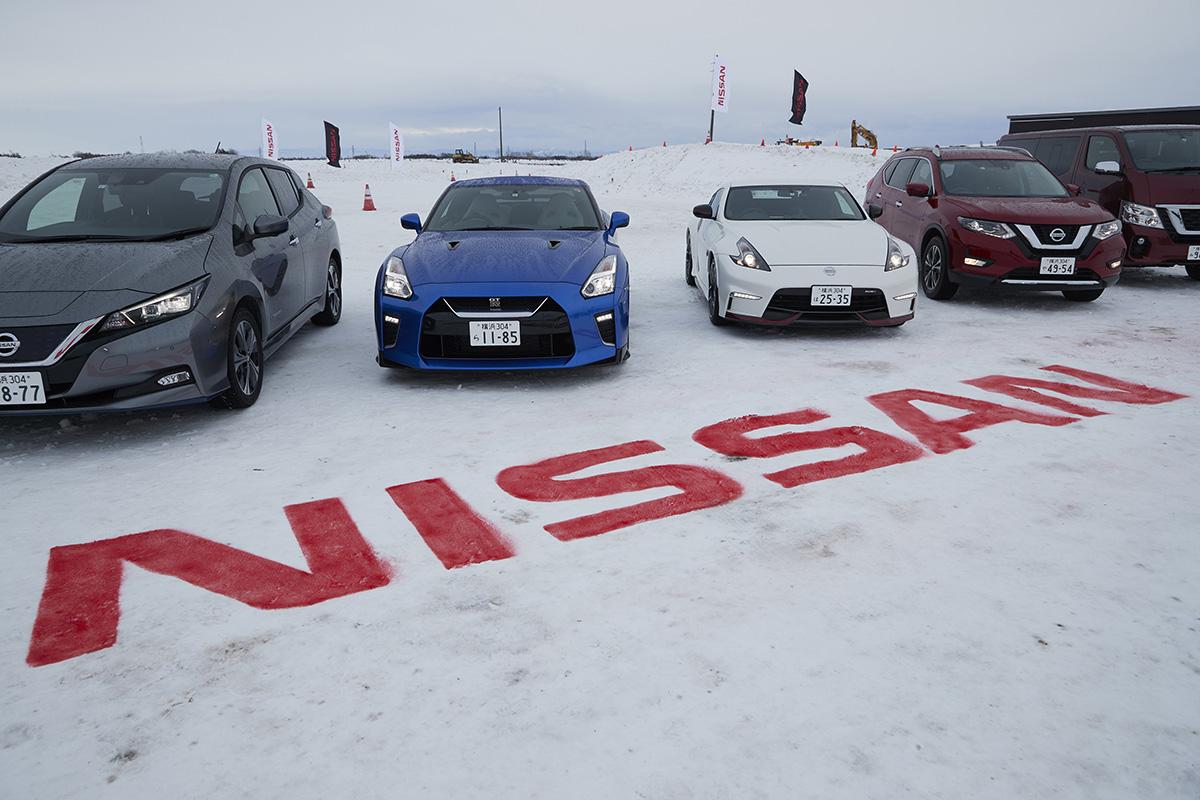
763	143
452	178
895	148
631	148
664	142
708	140
835	143
874	151
310	185
806	145
368	202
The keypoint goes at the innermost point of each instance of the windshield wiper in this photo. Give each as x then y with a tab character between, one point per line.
78	237
578	228
496	228
175	235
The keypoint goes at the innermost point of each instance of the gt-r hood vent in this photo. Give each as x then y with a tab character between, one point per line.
554	243
453	244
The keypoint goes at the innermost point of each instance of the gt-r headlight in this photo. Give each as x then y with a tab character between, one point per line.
164	307
395	279
1107	230
749	257
603	279
1136	214
895	258
997	229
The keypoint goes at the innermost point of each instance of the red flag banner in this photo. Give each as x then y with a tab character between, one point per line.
799	99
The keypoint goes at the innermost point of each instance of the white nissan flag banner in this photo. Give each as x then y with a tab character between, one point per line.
720	85
396	146
270	142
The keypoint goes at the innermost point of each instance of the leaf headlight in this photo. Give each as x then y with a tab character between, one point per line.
395	279
164	307
603	279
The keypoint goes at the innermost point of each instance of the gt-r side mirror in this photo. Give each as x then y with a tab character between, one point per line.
269	225
619	220
1108	168
411	222
874	210
917	189
703	211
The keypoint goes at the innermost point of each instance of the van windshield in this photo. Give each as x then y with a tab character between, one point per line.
999	177
1165	150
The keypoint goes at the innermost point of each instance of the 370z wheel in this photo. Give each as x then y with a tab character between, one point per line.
332	312
245	361
714	297
1083	295
687	263
935	271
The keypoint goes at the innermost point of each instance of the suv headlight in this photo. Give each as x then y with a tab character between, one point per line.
997	229
1136	214
603	279
164	307
1107	230
749	257
395	279
895	258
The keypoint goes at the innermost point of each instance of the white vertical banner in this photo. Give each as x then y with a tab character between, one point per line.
720	85
270	142
395	145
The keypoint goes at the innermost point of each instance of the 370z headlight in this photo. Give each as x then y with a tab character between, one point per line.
165	306
603	279
749	257
1107	230
895	258
997	229
1136	214
395	279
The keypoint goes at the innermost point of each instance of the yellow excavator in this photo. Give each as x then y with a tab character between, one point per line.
463	157
862	132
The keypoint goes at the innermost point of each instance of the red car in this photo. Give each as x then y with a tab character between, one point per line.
995	216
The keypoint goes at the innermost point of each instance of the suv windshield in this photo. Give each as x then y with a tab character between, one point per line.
115	205
515	207
999	177
1165	151
791	203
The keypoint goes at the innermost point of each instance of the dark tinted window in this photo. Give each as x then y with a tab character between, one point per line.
890	168
791	203
285	192
254	196
1165	151
995	177
515	207
1101	148
115	204
922	173
902	173
1058	153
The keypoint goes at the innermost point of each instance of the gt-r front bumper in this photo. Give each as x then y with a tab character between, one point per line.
782	296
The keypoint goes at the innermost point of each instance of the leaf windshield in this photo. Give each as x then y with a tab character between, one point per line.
121	205
515	207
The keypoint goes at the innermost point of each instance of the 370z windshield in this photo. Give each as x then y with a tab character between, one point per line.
515	207
791	203
115	205
1165	151
999	177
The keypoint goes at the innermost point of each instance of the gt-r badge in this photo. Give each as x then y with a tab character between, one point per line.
9	345
493	302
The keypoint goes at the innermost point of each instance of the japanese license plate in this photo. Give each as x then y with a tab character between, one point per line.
831	295
22	389
506	333
1058	266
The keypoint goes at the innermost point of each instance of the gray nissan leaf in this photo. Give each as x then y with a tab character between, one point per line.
142	281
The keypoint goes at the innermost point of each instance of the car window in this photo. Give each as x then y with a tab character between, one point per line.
922	173
902	173
1058	153
285	192
999	177
1101	148
1175	150
889	168
60	204
515	206
791	203
254	196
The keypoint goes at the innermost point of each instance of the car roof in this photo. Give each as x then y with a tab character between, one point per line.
962	152
213	161
746	185
521	180
1092	129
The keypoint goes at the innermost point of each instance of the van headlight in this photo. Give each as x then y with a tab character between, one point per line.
895	257
1136	214
395	279
165	306
603	279
1107	230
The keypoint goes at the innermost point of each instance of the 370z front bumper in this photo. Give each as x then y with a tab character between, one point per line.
783	296
559	328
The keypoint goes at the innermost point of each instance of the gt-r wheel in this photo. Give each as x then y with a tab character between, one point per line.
935	271
332	312
714	297
1083	295
687	263
1193	271
245	362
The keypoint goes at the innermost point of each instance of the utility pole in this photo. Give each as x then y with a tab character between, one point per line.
712	118
500	114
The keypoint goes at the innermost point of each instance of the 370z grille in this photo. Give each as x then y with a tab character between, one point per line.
795	305
545	333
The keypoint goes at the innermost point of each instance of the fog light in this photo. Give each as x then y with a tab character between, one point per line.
391	320
975	262
605	317
391	329
1114	264
743	296
183	376
906	296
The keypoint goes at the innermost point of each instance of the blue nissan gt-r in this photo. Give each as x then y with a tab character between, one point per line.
507	273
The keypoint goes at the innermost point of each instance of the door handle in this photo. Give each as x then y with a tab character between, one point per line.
879	194
317	224
292	242
899	204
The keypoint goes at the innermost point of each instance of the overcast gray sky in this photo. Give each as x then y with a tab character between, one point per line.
612	73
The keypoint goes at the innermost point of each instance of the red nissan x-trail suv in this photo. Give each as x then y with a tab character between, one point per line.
995	216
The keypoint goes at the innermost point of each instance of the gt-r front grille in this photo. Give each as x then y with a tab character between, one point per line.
865	304
500	306
545	329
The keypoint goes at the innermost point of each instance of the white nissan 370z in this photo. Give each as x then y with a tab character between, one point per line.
798	255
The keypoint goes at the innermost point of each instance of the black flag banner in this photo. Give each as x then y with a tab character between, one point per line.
333	144
799	99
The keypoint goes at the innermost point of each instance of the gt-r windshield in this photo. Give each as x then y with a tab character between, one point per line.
515	207
1165	151
999	177
135	204
791	203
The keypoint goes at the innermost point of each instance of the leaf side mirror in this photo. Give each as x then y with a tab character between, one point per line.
268	225
874	210
1108	168
411	222
619	220
703	211
918	190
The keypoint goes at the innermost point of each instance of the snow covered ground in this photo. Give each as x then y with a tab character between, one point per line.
1015	619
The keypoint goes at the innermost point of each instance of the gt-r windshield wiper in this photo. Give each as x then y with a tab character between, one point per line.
579	228
495	228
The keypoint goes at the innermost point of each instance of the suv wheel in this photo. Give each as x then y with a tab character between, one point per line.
332	312
1083	295
1193	271
687	263
245	362
935	271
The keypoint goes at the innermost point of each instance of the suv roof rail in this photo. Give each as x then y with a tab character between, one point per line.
937	149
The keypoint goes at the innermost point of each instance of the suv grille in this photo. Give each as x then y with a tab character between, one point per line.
1191	219
1043	233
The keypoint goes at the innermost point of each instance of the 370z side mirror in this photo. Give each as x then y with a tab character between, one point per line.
874	210
411	222
703	211
917	189
619	220
270	225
